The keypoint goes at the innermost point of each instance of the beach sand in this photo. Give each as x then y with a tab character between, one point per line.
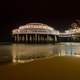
56	68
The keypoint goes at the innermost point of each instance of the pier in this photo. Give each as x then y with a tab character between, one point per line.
34	33
42	33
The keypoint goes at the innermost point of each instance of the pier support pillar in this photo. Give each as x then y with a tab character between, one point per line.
55	38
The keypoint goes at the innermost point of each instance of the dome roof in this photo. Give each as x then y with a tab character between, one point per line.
34	28
37	24
34	25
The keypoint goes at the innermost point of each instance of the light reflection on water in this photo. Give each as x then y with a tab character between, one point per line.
24	53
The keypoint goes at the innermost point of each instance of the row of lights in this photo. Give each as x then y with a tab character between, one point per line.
77	30
33	26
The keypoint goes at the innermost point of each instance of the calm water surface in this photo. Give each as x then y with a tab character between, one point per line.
20	53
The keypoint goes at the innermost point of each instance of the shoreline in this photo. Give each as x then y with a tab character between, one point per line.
63	68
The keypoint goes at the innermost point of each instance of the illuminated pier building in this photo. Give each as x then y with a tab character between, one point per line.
71	35
34	33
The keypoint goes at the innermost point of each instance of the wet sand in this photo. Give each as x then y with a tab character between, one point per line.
57	68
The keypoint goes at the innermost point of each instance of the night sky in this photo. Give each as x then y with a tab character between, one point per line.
57	14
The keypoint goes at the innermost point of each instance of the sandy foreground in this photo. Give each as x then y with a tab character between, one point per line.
57	68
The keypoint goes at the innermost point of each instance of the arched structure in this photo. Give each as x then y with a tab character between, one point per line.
34	33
